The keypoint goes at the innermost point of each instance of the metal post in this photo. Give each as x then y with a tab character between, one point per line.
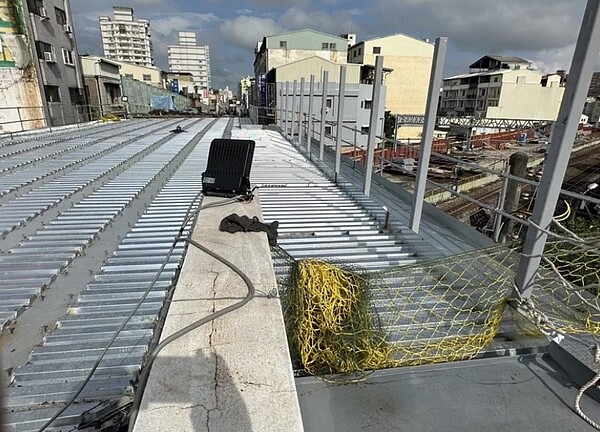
62	114
340	121
375	98
323	114
354	154
311	97
293	109
279	109
559	150
285	105
500	205
435	82
301	117
20	119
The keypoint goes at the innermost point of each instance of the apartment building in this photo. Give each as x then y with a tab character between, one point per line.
188	56
504	88
278	50
49	26
408	65
126	39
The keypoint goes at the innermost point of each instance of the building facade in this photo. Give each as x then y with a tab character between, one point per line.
148	74
49	25
125	39
190	57
409	63
282	49
102	80
357	100
503	88
277	50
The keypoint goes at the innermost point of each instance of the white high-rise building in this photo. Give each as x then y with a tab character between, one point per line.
125	39
192	58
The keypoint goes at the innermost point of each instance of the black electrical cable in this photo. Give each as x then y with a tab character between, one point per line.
176	240
178	334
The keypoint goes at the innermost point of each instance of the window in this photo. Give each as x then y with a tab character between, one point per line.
354	53
324	45
329	103
283	44
359	51
68	57
61	16
35	6
76	96
128	75
376	50
147	77
41	48
368	104
332	46
327	130
364	130
52	93
122	28
496	79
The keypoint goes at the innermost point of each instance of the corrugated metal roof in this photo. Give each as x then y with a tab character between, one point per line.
56	368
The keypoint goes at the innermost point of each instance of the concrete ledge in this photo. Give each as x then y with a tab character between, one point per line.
234	374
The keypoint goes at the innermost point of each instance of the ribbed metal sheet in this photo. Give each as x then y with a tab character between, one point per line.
317	218
77	227
58	366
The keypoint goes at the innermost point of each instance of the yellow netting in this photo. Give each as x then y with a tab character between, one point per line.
567	287
110	117
343	321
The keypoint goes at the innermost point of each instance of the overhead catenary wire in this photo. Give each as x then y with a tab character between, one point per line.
174	243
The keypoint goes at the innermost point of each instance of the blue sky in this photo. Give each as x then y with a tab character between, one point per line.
543	31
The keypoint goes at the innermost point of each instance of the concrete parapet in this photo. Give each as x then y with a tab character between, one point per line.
235	373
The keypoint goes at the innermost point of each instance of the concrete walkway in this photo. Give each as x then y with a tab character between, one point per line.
233	374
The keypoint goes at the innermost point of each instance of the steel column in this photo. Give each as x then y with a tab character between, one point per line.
323	114
559	150
311	97
375	101
301	116
340	121
435	83
285	108
293	109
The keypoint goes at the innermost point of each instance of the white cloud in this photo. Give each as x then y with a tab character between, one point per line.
245	31
165	24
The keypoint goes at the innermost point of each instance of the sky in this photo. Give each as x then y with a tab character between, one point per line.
542	31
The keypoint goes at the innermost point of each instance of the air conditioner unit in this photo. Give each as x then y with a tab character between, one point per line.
67	28
49	57
228	167
43	13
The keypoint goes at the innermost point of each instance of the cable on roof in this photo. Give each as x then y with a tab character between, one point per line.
179	237
150	360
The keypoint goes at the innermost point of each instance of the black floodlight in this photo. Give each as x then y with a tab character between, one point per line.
228	168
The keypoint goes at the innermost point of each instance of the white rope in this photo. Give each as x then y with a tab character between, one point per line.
591	383
546	326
